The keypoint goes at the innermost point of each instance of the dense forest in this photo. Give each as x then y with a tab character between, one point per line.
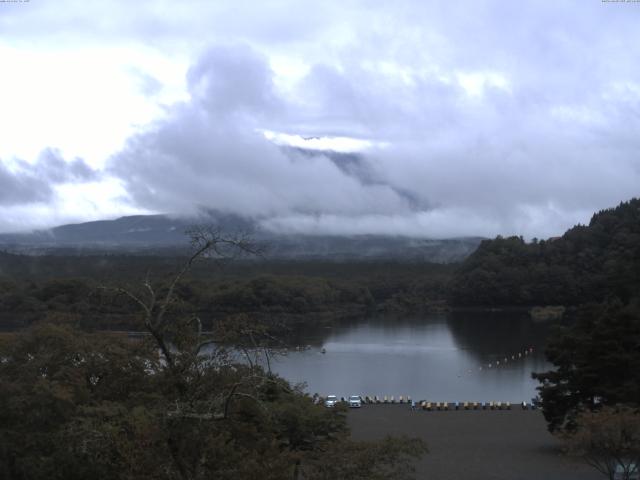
588	263
312	292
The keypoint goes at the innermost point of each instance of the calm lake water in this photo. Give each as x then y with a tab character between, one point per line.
439	357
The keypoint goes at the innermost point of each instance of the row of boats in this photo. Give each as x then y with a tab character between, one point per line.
356	400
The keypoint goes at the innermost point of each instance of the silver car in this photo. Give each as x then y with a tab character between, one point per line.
355	401
330	401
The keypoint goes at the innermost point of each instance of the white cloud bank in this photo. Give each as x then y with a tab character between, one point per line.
479	118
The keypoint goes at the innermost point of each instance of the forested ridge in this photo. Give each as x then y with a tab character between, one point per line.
32	288
588	263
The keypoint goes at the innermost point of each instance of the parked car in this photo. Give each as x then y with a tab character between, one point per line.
330	401
355	401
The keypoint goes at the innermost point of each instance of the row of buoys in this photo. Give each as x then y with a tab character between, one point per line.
491	365
514	357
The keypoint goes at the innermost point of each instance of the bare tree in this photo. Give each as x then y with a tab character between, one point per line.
206	242
609	441
204	384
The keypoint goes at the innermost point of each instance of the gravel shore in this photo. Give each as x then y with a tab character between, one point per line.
484	444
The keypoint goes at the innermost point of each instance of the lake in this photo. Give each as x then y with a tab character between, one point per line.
459	356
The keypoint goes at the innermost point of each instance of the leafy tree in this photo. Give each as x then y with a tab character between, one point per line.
588	263
597	363
54	380
609	441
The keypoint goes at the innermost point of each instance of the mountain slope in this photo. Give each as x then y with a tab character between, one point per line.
162	232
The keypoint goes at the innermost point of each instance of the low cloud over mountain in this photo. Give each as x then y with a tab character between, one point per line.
483	119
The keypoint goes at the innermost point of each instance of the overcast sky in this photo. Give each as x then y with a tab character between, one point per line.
453	118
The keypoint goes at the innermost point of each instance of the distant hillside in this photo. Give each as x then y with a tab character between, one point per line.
588	263
163	234
132	231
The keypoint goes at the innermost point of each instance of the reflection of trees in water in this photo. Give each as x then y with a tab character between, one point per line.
306	336
485	335
488	335
317	331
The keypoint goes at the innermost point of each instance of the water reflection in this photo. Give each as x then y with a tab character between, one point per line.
439	357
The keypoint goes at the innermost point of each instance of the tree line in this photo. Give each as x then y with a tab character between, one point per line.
588	263
295	292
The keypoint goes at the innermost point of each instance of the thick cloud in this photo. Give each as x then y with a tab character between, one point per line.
466	155
33	183
483	118
209	153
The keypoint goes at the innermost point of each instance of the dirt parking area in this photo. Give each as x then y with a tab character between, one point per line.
475	444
